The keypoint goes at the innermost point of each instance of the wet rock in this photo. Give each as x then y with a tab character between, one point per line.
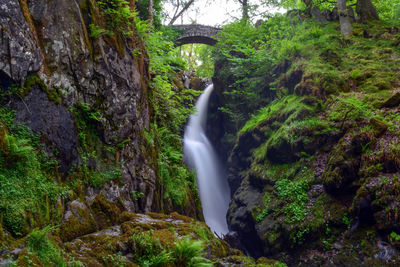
51	39
232	238
240	218
77	221
317	15
334	14
157	231
19	53
379	126
392	101
54	123
341	173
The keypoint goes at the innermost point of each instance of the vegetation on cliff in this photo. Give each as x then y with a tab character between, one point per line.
312	132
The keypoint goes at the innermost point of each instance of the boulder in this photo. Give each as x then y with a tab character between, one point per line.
392	101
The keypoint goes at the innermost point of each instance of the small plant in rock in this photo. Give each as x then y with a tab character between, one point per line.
135	195
118	15
394	236
346	220
115	260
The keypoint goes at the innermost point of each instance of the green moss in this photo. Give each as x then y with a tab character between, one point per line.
27	186
286	105
295	195
35	80
99	164
73	227
46	250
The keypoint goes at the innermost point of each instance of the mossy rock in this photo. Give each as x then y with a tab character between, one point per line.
78	221
26	258
106	213
379	126
393	101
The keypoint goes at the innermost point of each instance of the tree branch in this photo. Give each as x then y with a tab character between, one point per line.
186	7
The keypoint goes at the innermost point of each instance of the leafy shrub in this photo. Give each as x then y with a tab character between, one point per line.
295	194
189	253
394	236
148	251
172	107
39	243
118	15
26	178
135	195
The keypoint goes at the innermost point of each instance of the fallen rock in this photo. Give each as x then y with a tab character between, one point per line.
379	126
392	101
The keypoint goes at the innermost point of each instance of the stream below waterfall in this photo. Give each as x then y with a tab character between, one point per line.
211	178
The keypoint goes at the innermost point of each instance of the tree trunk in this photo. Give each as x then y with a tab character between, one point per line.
150	10
345	25
245	9
366	10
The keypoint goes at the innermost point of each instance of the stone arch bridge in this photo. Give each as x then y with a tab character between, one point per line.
196	34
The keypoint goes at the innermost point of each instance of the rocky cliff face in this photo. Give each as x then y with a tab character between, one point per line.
45	47
313	175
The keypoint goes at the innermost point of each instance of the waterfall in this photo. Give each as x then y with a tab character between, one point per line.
211	178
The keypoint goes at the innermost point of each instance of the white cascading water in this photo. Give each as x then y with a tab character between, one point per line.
211	179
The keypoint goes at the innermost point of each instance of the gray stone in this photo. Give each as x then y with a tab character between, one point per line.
195	33
19	53
317	15
82	70
54	122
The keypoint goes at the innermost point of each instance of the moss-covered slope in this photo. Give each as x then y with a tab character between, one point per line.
314	172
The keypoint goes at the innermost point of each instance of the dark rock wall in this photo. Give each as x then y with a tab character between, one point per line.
50	39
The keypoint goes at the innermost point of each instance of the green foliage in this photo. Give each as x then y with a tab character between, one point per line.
48	253
172	106
147	249
394	236
135	195
388	10
286	104
346	220
96	31
349	106
176	177
141	26
261	216
200	59
295	195
115	260
97	179
118	16
91	149
27	186
143	11
189	253
203	233
150	252
298	237
248	54
251	60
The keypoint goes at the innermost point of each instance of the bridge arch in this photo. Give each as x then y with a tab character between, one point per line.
196	34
